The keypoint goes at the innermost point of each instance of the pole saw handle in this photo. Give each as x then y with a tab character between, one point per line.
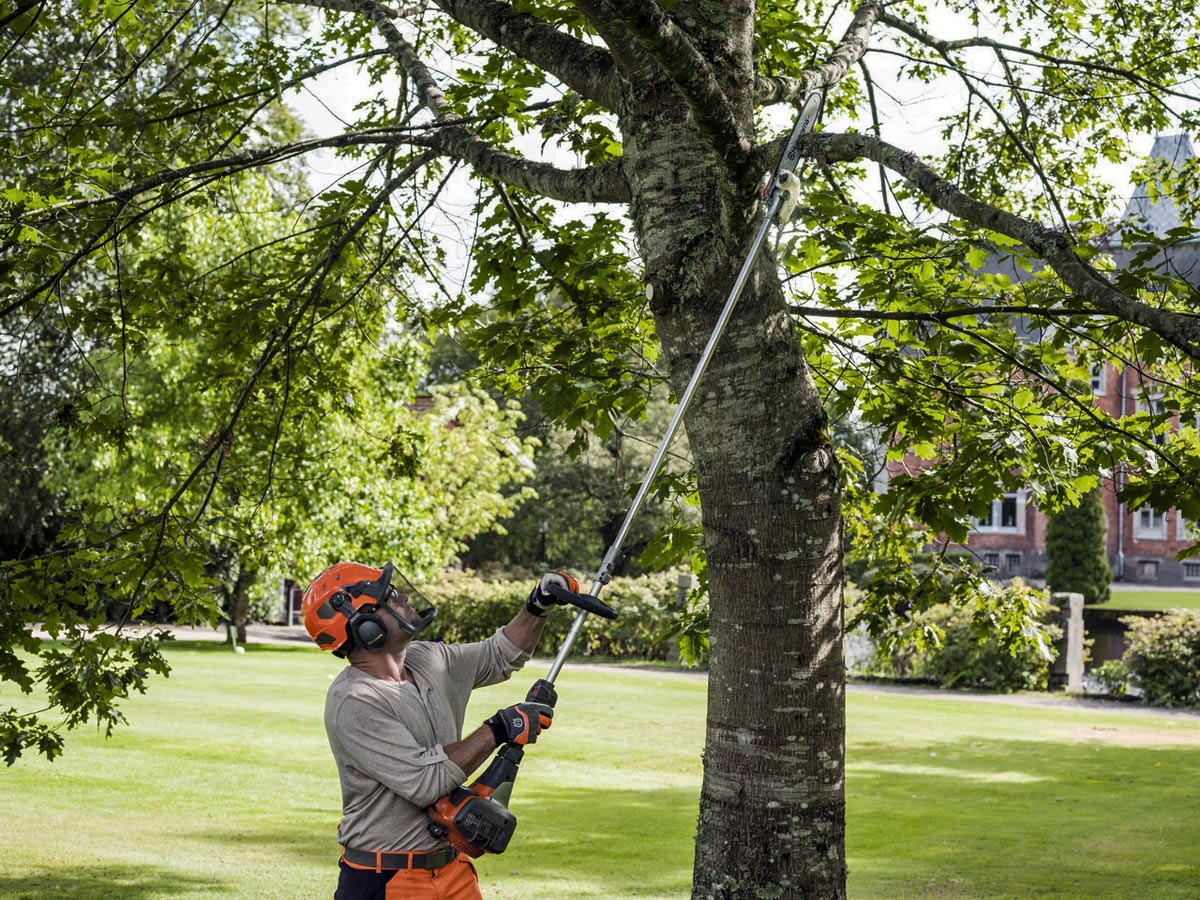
589	602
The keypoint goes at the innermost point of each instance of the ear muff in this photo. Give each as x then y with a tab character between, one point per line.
366	628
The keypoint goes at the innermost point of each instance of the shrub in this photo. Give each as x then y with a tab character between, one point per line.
1113	676
471	608
967	660
1163	657
1075	548
964	658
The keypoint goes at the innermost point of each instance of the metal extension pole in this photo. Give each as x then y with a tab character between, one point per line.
783	191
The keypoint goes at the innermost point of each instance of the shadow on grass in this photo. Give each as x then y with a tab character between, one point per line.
1021	819
578	843
295	843
603	843
105	883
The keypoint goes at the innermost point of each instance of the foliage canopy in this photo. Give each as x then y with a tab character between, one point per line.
139	133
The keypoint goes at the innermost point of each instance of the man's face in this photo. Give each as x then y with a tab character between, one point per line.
398	603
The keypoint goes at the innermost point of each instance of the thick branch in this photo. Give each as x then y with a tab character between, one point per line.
630	57
578	185
776	89
689	71
428	90
1180	330
605	183
585	69
900	315
602	184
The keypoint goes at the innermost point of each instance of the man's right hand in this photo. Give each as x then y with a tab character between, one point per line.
540	599
520	723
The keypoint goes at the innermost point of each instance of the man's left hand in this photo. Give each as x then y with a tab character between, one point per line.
520	724
540	599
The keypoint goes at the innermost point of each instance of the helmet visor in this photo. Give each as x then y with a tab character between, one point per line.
409	606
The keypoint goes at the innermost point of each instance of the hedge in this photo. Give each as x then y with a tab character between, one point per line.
471	608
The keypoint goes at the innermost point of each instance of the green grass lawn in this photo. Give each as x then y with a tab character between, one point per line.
1136	599
222	787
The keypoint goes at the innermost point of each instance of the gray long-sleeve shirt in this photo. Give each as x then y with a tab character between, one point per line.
388	738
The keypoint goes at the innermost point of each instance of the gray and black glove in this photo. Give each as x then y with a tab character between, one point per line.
520	723
540	599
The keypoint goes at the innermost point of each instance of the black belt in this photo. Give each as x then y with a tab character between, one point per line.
383	860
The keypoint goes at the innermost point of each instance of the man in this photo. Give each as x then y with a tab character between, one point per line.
394	718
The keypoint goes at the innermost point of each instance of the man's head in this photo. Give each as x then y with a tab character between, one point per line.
346	604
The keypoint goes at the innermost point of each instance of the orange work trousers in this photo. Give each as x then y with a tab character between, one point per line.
454	881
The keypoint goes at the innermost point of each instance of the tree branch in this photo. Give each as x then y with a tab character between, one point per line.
629	56
778	89
600	184
876	130
587	70
1023	147
946	46
689	71
428	91
897	315
1180	330
605	183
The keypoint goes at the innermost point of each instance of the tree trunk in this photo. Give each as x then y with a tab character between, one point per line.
772	802
238	606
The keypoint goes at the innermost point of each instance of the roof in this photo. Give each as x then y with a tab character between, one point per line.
1159	215
1181	258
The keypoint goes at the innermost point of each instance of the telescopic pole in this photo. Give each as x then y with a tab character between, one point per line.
784	192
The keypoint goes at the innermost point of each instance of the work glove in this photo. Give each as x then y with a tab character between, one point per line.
520	724
540	599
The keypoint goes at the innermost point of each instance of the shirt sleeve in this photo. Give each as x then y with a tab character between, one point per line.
489	661
381	747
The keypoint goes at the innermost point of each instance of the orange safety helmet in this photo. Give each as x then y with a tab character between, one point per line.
340	607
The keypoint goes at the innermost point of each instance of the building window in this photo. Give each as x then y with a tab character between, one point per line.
1149	524
1012	563
1098	380
1191	571
1183	528
1148	569
1153	404
1006	514
991	560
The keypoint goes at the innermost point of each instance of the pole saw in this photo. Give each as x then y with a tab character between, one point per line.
475	818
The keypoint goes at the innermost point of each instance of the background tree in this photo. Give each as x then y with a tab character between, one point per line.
184	482
584	488
879	299
1075	549
36	384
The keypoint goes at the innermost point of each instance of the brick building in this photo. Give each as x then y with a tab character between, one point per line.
1142	543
